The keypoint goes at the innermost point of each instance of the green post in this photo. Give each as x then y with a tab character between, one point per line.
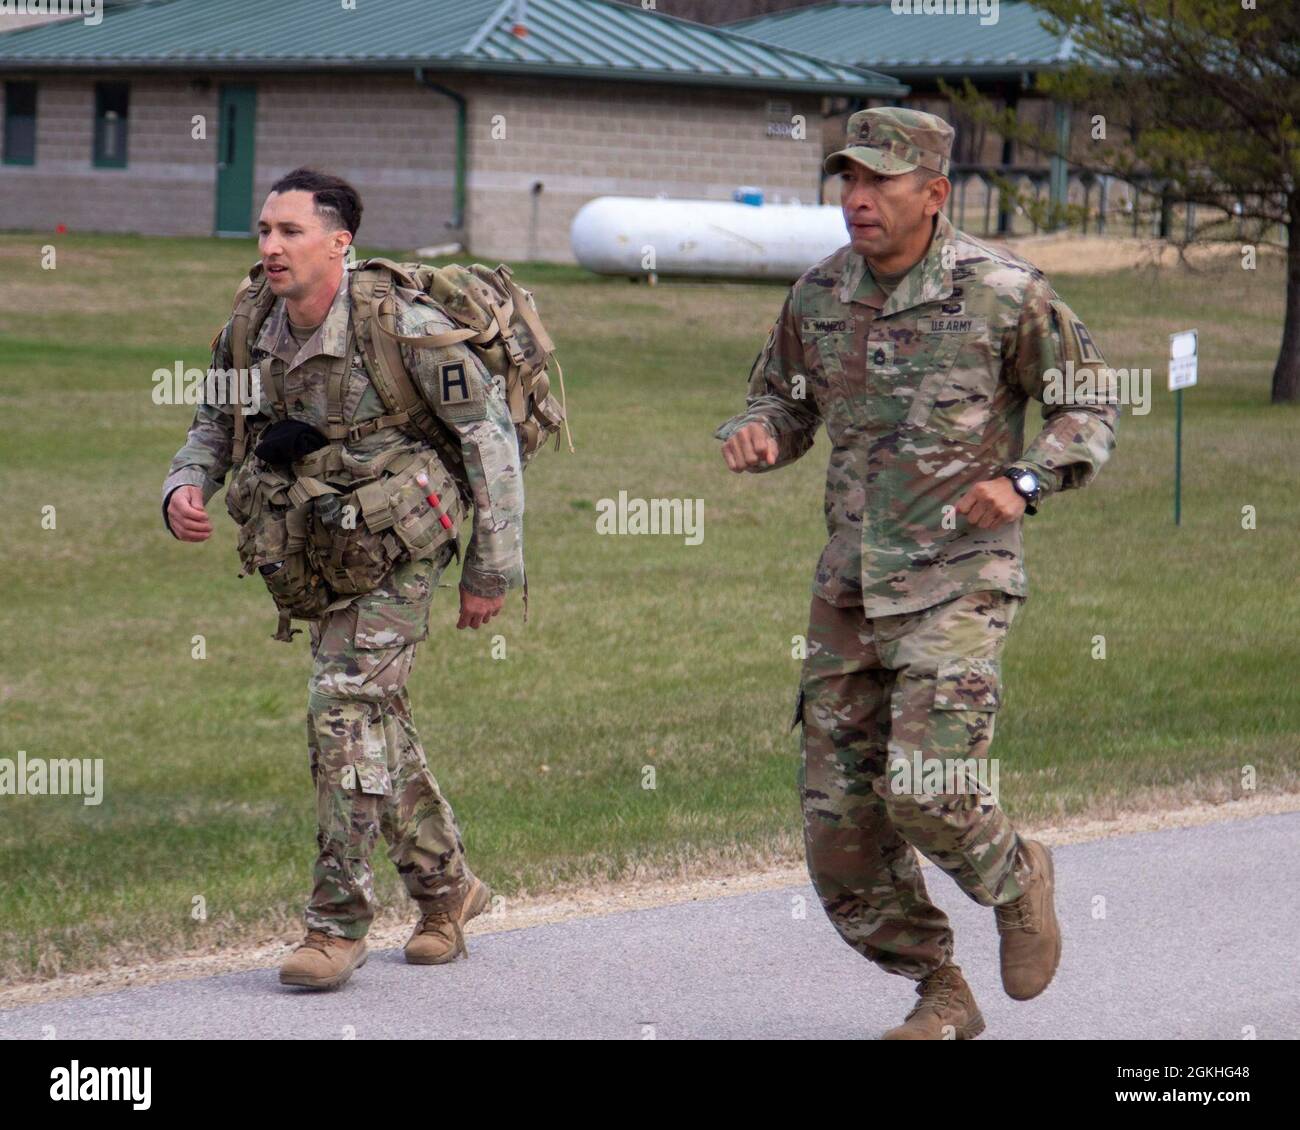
1178	457
462	129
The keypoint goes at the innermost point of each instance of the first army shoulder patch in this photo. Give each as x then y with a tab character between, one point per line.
1076	340
461	395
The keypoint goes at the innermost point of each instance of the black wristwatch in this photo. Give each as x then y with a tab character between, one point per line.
1027	485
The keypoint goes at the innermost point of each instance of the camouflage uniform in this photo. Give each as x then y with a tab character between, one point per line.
923	394
367	762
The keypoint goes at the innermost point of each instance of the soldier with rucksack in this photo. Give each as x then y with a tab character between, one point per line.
389	400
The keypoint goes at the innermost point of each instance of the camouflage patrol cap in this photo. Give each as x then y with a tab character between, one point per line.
891	140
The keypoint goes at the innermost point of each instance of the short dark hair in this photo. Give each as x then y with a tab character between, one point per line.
338	204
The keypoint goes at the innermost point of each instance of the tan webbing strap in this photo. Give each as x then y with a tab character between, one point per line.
529	317
502	315
539	385
403	397
366	427
275	379
392	266
306	488
321	462
518	406
384	362
448	337
339	366
395	463
240	355
564	408
241	439
253	297
388	355
373	303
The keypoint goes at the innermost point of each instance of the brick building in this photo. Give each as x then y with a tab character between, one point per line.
483	122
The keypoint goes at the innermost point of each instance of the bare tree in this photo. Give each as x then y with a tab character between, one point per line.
1195	102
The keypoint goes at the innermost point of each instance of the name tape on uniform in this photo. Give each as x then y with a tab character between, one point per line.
824	326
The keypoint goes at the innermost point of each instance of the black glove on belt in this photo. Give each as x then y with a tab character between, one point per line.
287	441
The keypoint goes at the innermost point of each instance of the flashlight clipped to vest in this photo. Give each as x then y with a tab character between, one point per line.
431	497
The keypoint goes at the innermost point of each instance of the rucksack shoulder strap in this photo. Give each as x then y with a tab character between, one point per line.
405	272
253	301
372	309
374	313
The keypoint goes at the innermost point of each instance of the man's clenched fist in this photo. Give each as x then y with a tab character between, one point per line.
185	513
991	504
750	447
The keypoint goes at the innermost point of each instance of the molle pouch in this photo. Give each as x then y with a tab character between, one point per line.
239	493
400	506
351	556
273	541
297	588
356	538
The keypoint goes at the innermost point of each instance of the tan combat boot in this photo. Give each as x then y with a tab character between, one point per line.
1031	935
946	1010
323	961
438	937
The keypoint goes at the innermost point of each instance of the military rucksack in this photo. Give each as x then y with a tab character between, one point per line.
289	526
496	317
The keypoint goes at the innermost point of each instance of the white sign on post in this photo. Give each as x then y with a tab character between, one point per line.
1182	360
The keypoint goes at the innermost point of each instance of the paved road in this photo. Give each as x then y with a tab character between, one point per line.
1189	933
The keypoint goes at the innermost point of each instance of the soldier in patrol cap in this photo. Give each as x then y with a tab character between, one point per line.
367	761
919	349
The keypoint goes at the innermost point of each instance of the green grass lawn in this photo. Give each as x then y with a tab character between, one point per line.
639	651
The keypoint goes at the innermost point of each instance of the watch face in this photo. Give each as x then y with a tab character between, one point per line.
1027	482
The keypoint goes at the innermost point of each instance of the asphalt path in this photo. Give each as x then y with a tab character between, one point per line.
1180	934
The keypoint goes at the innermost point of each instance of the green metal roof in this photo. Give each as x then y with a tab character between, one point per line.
912	45
575	38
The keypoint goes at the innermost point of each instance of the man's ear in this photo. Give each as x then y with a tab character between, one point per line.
937	192
342	241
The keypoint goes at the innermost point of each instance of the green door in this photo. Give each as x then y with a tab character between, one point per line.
235	161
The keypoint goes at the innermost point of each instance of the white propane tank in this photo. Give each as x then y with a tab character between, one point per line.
613	235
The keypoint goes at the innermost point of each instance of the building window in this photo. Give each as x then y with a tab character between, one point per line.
111	102
20	123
